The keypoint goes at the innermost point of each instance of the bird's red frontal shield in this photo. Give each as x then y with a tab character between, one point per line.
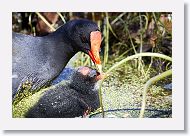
95	40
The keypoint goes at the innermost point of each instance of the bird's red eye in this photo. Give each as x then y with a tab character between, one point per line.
84	39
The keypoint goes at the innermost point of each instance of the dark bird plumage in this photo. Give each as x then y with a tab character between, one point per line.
72	100
36	61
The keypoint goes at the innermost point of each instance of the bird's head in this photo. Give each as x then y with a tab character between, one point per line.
85	79
86	37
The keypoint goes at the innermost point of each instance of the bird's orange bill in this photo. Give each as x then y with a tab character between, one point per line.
95	40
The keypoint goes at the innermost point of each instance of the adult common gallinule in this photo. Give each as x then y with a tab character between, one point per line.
36	61
71	100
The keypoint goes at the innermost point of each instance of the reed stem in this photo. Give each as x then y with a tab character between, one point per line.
45	21
146	86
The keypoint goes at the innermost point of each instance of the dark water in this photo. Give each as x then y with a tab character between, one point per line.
64	75
134	113
168	86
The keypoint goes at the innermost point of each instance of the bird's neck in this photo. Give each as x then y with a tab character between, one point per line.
60	48
62	43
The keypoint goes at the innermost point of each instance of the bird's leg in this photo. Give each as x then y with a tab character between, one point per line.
87	112
87	108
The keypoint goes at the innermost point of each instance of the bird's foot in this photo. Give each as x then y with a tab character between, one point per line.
87	112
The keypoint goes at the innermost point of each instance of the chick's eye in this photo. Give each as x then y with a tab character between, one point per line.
84	39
